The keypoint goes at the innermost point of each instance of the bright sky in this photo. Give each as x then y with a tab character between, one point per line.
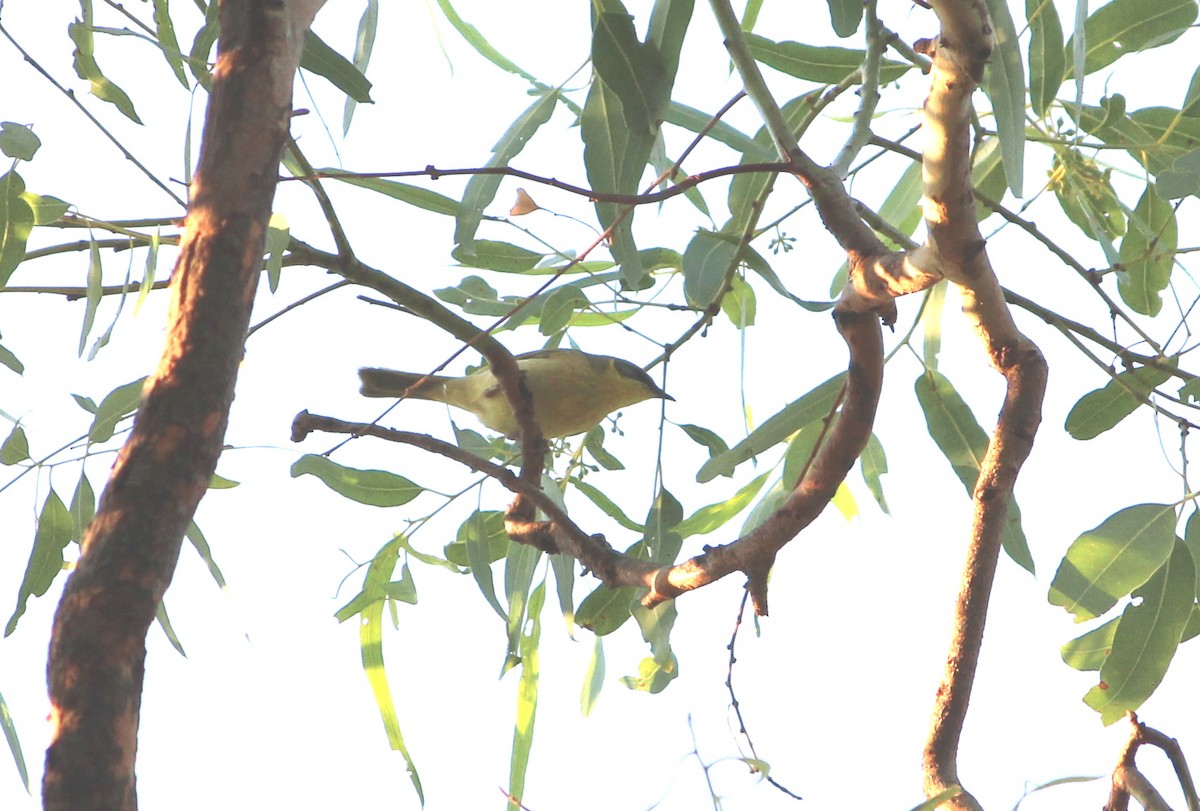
271	709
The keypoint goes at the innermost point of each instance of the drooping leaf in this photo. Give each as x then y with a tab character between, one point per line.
477	41
379	488
1148	253
364	44
1106	563
707	263
1086	195
957	434
632	69
370	631
164	31
615	157
520	565
16	221
481	189
1105	407
740	304
607	505
527	696
845	16
95	278
86	68
200	544
164	622
1004	84
593	678
873	463
14	742
15	447
481	541
659	669
1146	639
46	557
1047	60
83	507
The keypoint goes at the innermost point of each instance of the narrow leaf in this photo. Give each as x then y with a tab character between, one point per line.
404	192
1004	84
1047	60
14	742
828	65
593	678
46	557
16	221
116	405
322	60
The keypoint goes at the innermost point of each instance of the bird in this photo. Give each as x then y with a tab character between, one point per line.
572	391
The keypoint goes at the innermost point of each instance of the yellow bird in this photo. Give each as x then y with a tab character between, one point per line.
572	390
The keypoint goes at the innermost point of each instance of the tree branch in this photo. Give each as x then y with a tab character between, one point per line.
97	649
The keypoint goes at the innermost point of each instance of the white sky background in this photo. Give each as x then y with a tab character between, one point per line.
271	708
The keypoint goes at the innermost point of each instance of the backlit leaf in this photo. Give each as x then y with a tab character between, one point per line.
379	488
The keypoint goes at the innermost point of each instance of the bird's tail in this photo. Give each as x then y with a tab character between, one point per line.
389	383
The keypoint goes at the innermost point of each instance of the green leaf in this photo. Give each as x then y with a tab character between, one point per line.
18	141
1146	639
95	279
322	60
202	45
775	429
15	447
661	667
7	358
1047	60
279	234
663	541
715	516
500	256
404	192
164	622
527	697
707	263
16	221
873	463
364	43
699	122
706	437
739	303
481	189
46	209
1191	537
1102	409
46	557
558	308
149	272
1086	195
606	609
14	742
1104	564
632	69
593	678
481	541
845	16
1148	253
615	157
116	405
83	507
987	175
379	488
607	505
370	631
958	436
1004	84
1088	652
1127	26
200	544
594	443
164	31
477	41
519	568
829	65
87	68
